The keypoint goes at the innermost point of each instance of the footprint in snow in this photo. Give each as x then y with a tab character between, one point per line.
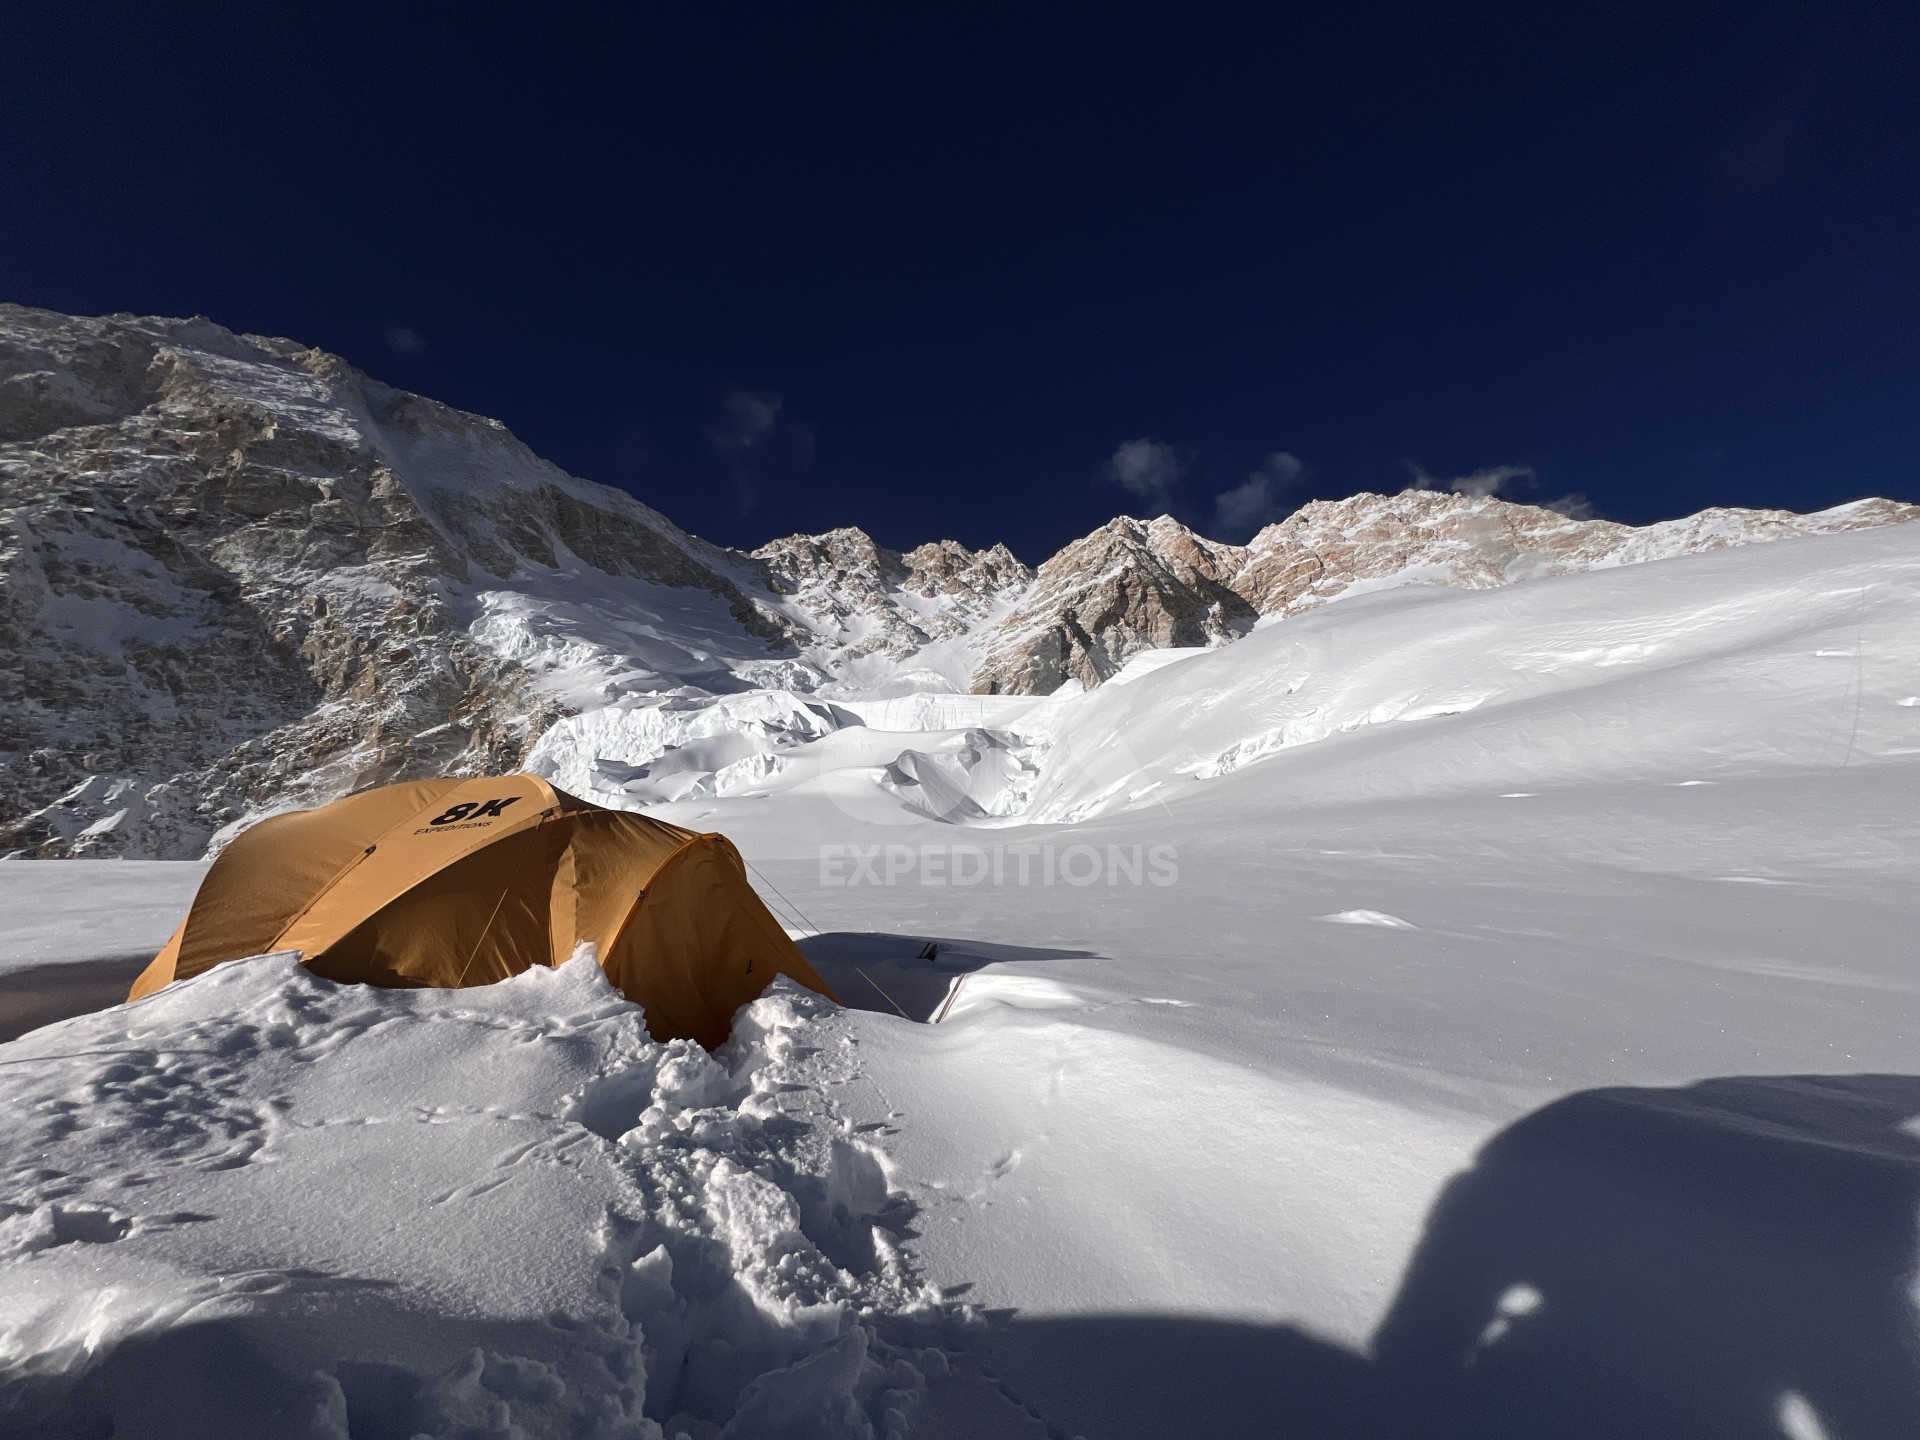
46	1226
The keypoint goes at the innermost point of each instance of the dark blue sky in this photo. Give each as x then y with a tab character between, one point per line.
925	267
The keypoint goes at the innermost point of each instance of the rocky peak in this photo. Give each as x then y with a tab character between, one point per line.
1328	545
947	568
1131	585
847	557
869	600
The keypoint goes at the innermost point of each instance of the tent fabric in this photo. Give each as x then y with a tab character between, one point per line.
455	882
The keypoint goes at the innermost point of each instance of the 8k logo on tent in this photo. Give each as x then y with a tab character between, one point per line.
475	810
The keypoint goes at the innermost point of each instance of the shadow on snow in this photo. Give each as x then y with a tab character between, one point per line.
1729	1259
893	974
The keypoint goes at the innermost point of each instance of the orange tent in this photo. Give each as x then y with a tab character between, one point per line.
464	882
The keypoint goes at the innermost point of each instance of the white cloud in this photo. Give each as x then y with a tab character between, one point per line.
1488	481
1239	512
1148	469
405	340
747	421
755	443
1574	506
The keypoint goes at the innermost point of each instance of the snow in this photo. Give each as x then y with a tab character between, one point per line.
282	1206
1446	1013
1368	917
90	910
1701	662
298	399
593	642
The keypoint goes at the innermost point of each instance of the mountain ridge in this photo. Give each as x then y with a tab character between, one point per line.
238	575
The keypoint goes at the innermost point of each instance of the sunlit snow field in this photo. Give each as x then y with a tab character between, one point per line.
1451	1013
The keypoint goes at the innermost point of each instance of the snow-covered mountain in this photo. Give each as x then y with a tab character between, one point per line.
238	575
1136	585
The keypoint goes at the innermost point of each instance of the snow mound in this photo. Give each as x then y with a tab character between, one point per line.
1378	918
907	755
681	747
287	1207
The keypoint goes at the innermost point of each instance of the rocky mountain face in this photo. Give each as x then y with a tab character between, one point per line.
1130	586
863	600
237	575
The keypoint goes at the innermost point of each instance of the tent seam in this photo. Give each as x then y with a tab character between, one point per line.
626	916
513	879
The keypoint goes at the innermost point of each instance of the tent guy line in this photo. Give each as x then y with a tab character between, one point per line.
820	937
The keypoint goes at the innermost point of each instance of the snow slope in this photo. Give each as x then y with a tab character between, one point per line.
1666	840
1735	662
90	910
1443	1013
1719	665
